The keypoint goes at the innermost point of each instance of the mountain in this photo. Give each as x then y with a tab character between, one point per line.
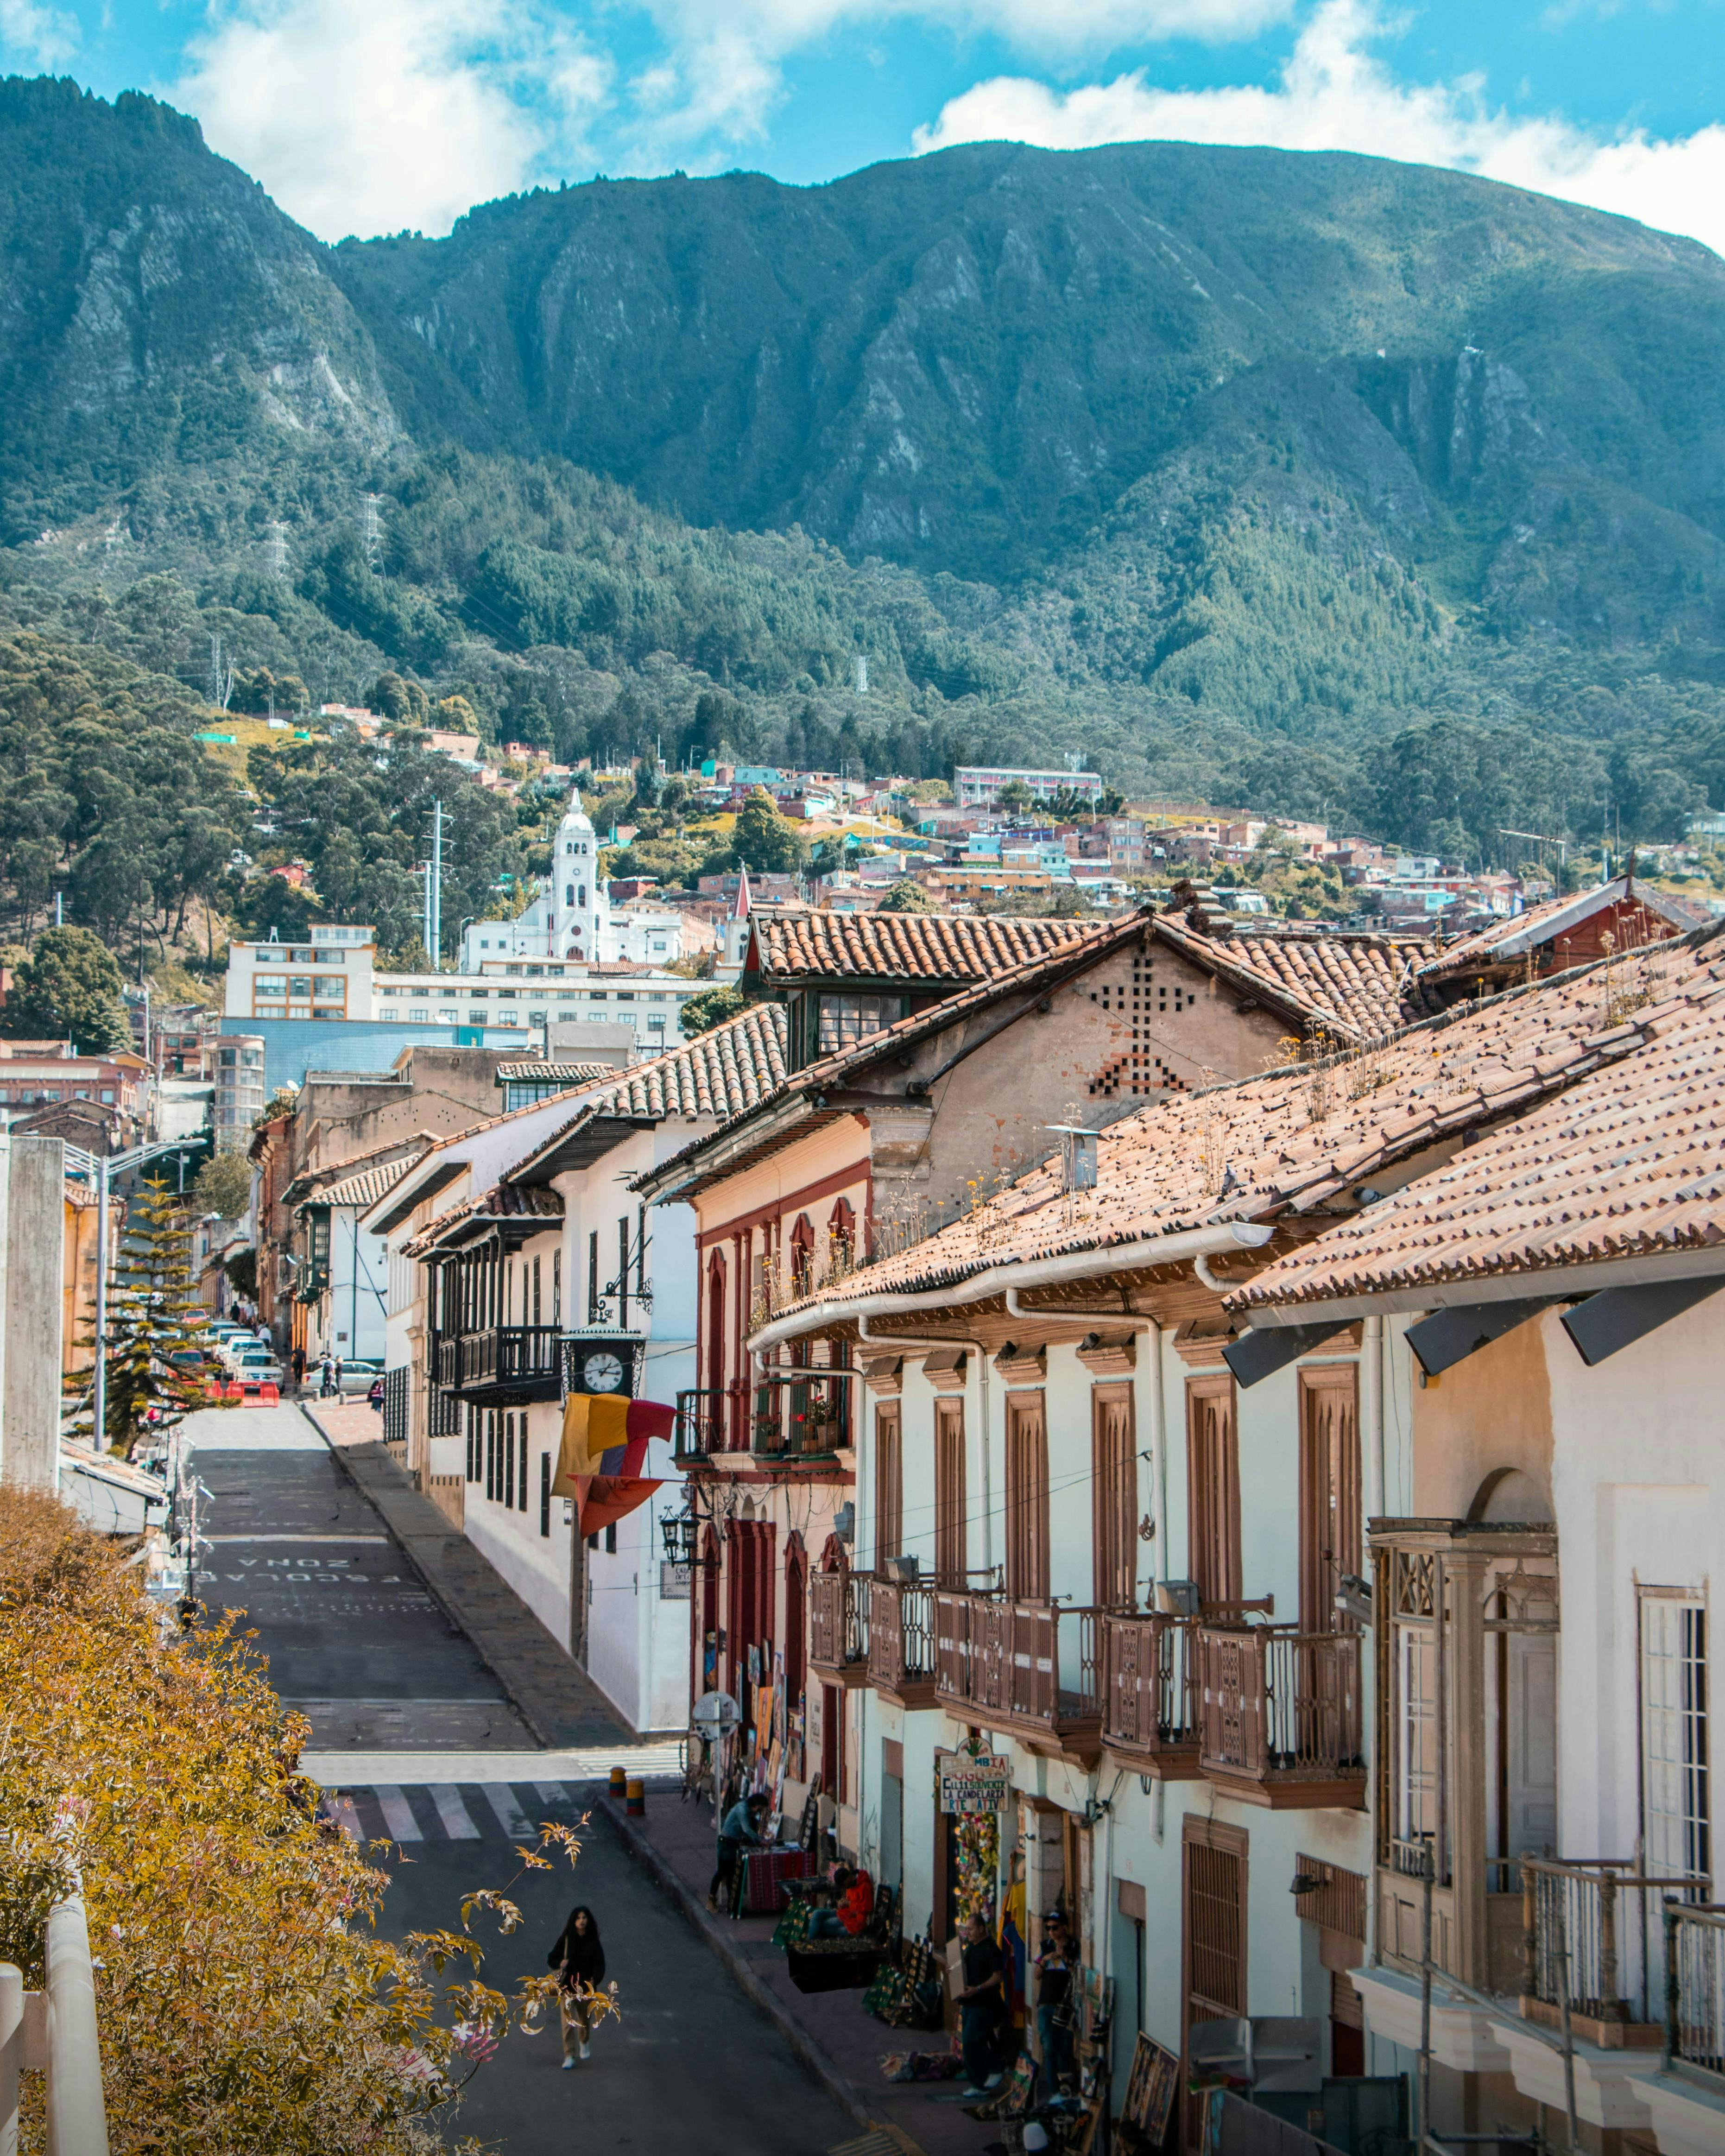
1222	464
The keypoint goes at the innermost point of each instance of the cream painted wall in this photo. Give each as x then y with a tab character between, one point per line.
1493	1410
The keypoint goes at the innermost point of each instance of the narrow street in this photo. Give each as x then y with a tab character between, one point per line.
352	1639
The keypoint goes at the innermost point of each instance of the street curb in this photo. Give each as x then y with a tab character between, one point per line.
449	1609
836	2083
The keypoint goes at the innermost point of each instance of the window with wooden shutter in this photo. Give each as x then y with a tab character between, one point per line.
951	1552
1212	1487
889	1484
1212	1933
1115	1485
1027	1575
1331	1541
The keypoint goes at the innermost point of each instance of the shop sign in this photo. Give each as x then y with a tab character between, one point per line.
968	1784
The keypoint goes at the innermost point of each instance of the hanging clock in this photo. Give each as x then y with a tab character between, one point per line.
603	1372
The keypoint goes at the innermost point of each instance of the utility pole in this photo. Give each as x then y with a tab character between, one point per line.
435	906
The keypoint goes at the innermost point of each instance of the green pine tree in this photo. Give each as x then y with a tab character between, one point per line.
152	1310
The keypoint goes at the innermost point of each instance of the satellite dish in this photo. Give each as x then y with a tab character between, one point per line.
717	1711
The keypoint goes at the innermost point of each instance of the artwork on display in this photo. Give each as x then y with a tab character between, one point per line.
1151	2090
976	1849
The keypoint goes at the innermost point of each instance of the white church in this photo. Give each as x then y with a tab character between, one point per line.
573	918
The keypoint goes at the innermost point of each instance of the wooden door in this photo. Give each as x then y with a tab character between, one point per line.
951	1543
1212	1487
1114	1485
1530	1755
1212	1935
1331	1538
888	1483
1027	1574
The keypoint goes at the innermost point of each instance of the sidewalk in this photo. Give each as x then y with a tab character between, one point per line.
561	1705
828	2031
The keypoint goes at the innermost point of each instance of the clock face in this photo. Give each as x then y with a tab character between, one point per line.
603	1373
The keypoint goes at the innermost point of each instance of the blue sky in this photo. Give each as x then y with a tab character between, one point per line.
371	116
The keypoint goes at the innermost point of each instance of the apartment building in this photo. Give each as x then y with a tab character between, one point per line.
1208	1490
521	1270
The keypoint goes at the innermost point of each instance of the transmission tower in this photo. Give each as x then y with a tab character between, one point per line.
370	538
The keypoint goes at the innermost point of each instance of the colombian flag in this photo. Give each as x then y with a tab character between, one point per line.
604	1451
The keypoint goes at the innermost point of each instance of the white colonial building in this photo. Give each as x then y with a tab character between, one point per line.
573	918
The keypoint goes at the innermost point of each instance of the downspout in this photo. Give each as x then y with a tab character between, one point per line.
1371	1416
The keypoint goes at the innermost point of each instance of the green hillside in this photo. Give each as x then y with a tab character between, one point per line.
1230	468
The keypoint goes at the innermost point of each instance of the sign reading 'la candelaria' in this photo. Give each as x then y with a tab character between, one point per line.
968	1784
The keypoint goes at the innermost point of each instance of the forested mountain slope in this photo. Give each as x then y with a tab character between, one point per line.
1220	465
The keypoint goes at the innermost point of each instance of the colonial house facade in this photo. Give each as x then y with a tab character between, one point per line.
905	1107
1208	1487
522	1270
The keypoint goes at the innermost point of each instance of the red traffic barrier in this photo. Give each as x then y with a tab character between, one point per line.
233	1390
270	1394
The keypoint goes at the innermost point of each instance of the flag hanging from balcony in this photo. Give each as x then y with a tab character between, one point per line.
607	1434
602	1500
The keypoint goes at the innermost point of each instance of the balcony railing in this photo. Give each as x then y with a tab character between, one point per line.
1150	1700
502	1355
702	1422
52	2032
901	1640
839	1609
800	1411
1695	1985
1591	1929
1023	1667
1280	1714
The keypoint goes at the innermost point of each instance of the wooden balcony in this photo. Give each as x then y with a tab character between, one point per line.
1028	1668
1595	1928
838	1611
1150	1702
1279	1715
901	1641
503	1365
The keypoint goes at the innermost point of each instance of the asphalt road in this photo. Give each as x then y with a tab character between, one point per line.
350	1635
690	2067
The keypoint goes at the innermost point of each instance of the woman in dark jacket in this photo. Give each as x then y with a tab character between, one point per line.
580	1961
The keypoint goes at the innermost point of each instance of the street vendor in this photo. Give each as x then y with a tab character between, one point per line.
740	1829
850	1908
982	2005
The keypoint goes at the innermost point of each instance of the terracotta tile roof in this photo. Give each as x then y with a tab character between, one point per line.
1626	1164
367	1186
1510	938
1357	986
1290	1142
901	946
503	1201
553	1074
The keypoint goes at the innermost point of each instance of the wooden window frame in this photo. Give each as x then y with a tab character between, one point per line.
1207	1508
1322	1563
1114	1492
1210	1835
951	1550
889	1481
1027	1553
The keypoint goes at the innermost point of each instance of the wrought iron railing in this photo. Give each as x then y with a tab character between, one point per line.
1589	1927
1021	1662
901	1633
701	1424
1279	1705
1695	1985
1150	1698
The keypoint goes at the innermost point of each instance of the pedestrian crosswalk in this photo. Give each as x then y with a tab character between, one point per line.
453	1811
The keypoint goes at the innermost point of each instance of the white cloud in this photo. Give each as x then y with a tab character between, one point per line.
723	76
393	115
1334	94
42	36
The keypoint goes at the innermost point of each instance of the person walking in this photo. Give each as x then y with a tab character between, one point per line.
980	2003
374	1397
738	1831
1055	2002
338	1377
325	1379
298	1359
579	1960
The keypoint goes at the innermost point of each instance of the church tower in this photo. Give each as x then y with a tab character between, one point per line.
579	914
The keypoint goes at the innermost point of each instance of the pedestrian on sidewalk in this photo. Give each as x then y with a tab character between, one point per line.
738	1831
1055	2002
580	1961
299	1362
374	1398
981	2004
327	1380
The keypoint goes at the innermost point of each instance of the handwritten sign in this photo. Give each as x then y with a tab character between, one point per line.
966	1784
